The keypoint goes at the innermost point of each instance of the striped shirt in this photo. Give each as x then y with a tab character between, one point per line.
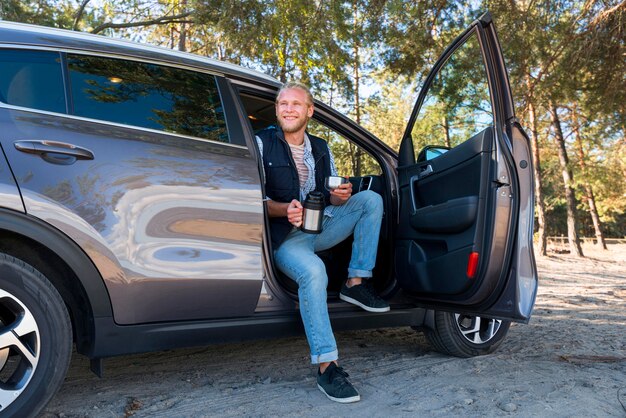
297	152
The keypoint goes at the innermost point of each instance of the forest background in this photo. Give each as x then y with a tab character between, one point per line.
368	58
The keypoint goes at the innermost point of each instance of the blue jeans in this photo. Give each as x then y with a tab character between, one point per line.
296	257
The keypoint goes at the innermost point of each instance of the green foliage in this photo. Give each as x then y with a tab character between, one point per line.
457	105
600	53
386	112
55	13
415	33
289	39
350	160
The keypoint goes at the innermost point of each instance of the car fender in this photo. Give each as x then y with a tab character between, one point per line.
76	259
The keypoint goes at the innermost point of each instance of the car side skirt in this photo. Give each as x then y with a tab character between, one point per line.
113	340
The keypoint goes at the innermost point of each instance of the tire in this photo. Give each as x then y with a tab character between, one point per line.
466	336
35	339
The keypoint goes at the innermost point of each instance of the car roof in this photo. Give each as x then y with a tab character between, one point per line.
13	34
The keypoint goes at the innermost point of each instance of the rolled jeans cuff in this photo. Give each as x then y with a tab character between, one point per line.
324	358
359	273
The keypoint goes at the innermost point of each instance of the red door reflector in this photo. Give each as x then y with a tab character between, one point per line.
472	265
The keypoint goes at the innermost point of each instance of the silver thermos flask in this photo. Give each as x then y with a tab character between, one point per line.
313	213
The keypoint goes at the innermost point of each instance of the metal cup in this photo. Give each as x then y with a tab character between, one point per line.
332	182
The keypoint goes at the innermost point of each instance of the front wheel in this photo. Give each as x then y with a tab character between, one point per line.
35	339
465	335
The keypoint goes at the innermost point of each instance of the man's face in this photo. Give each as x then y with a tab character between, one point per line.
293	110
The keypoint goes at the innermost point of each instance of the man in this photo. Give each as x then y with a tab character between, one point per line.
296	163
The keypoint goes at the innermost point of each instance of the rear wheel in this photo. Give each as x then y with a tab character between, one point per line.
465	335
35	339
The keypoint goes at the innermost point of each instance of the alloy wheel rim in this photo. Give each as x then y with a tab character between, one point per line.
477	330
20	347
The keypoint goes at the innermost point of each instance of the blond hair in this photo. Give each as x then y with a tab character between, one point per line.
296	85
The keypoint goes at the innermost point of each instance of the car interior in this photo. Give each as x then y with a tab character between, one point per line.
261	114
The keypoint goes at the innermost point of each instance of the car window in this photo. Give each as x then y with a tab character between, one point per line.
147	95
350	159
32	79
458	103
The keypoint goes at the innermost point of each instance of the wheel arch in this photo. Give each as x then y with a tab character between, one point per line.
67	267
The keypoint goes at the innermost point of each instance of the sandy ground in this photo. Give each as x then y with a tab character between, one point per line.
570	360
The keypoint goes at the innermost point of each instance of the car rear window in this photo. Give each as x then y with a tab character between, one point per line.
147	95
32	79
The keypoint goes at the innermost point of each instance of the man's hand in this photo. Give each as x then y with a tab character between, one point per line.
341	194
292	210
294	213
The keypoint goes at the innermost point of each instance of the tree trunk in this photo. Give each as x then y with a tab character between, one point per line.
282	73
597	224
568	180
446	130
79	14
591	201
220	49
182	35
540	205
182	38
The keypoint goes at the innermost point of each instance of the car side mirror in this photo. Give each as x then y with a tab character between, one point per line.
431	151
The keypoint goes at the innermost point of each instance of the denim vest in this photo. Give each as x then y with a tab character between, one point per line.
281	175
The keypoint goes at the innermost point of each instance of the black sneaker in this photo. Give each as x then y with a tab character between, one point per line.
365	296
335	385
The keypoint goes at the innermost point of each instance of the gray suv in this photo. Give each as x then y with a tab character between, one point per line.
132	215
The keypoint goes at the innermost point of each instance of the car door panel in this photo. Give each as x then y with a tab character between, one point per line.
442	211
134	161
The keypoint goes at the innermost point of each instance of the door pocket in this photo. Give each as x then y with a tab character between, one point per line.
419	272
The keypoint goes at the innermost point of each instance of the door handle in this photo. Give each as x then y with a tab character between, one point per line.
425	171
412	181
53	151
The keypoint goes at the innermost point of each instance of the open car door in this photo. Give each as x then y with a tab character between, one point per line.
464	238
